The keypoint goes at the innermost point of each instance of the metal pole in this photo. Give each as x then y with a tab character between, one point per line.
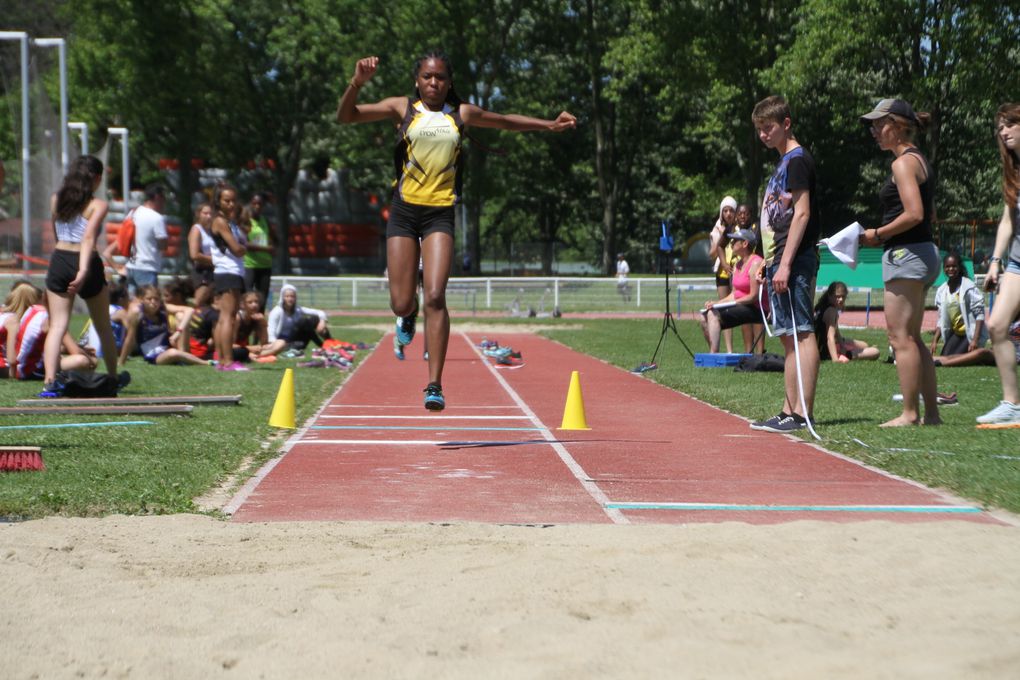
83	128
125	164
26	172
61	46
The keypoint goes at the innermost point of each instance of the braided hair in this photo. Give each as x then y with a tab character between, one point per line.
452	98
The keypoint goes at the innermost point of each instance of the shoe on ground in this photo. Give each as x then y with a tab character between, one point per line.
268	359
292	354
1003	414
781	423
123	380
236	366
52	390
434	400
398	349
425	356
314	363
406	326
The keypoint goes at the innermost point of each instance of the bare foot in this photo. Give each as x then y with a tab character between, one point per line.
901	421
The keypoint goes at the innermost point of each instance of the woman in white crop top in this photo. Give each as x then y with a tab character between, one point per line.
228	272
75	267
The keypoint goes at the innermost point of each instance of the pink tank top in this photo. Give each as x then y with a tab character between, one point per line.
742	277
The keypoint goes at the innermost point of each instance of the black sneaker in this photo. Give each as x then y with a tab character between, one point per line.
781	423
123	380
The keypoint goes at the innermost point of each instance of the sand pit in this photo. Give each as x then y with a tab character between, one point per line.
194	597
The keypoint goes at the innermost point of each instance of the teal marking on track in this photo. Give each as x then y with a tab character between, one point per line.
795	508
428	429
40	427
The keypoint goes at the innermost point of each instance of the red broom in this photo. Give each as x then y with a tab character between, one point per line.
17	458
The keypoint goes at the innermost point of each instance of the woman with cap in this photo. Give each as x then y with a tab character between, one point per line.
740	307
910	262
1006	276
722	253
429	129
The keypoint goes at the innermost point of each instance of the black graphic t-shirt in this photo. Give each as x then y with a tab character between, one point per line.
795	172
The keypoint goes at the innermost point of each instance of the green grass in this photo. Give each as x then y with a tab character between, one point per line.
157	468
161	468
851	401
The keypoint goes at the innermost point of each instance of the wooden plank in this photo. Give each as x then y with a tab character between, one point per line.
136	401
166	409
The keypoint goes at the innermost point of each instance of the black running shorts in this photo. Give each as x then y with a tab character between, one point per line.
64	267
418	221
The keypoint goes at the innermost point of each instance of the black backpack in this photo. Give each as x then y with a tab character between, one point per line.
761	362
78	384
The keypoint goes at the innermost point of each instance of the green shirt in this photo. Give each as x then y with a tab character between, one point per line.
259	236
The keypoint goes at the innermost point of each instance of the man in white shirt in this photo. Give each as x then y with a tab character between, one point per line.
622	283
150	240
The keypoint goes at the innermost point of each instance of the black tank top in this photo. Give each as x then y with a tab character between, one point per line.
892	207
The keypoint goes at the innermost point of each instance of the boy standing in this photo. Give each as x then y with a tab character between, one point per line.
790	229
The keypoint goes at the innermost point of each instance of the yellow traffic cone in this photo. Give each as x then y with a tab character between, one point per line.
573	412
283	409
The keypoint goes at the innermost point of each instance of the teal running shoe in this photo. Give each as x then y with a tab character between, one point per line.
434	400
405	327
398	349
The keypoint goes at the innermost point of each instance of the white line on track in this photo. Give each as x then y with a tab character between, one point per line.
431	417
583	478
390	407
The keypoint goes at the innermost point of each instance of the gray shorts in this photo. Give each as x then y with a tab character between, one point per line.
911	261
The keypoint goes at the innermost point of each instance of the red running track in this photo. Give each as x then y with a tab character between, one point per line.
495	455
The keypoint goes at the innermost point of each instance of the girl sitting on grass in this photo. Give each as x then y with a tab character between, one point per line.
831	343
291	325
148	333
27	304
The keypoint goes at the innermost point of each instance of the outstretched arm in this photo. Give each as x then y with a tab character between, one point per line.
349	111
479	117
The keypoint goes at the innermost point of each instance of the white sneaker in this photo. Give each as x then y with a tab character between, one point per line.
1003	414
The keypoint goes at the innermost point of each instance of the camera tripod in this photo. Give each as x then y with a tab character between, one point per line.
668	324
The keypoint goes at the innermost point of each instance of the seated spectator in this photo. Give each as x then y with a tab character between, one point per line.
741	306
961	311
28	304
982	356
176	294
119	313
148	333
9	322
292	326
252	328
201	324
831	343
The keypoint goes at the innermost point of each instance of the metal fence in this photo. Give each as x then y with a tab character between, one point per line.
514	296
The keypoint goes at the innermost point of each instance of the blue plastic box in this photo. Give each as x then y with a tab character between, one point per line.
718	360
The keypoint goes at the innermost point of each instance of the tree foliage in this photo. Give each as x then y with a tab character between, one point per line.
663	93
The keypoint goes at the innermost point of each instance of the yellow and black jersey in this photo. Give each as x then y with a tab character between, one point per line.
427	155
